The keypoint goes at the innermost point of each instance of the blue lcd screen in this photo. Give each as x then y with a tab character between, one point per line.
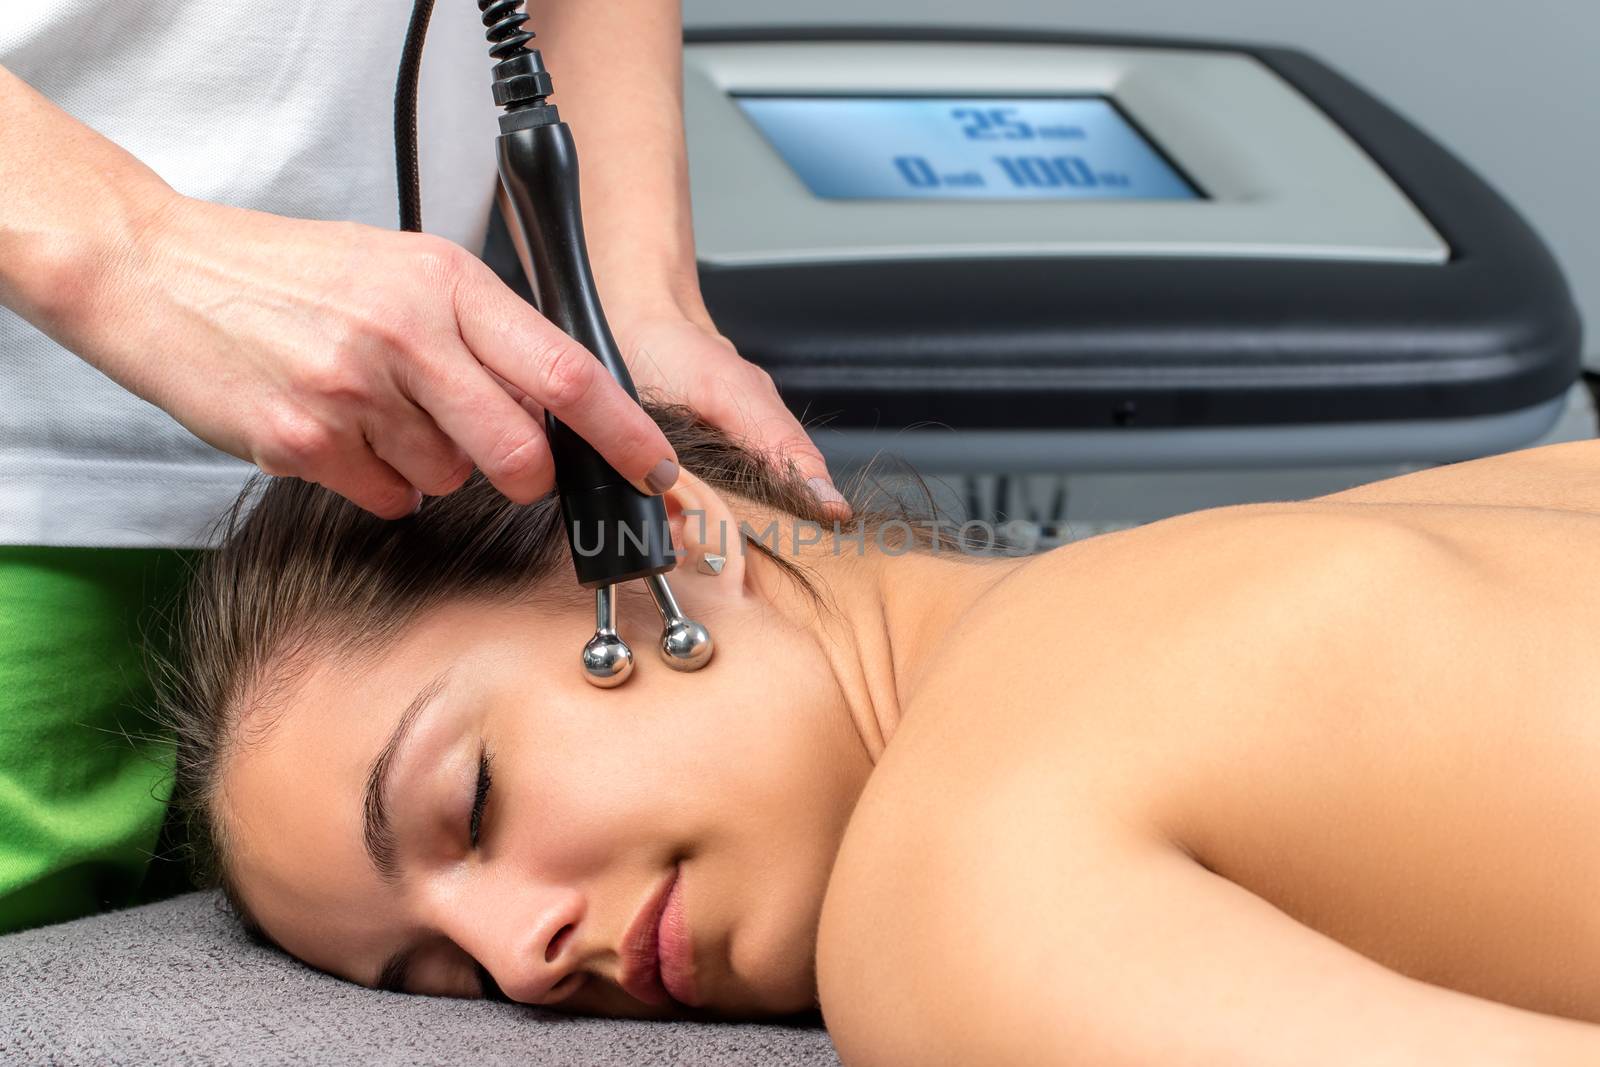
973	148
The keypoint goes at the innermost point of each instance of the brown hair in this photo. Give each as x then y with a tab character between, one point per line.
301	570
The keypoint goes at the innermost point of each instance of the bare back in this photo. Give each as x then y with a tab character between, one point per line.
1376	711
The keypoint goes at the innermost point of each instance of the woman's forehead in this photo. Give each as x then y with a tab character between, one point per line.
292	802
313	733
300	779
306	763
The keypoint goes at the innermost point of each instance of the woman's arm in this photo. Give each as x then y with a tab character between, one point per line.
1101	946
618	74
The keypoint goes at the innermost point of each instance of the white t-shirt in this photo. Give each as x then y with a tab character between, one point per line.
284	107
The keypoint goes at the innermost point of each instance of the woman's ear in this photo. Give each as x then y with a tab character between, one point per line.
704	529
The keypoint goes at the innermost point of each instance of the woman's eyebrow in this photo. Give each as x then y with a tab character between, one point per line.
376	832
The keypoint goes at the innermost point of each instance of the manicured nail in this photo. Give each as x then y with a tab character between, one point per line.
824	491
662	476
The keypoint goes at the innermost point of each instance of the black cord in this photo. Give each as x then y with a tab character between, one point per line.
405	118
503	22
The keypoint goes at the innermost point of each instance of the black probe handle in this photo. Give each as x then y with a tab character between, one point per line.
616	532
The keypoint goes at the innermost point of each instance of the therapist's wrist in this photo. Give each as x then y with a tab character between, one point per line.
69	277
645	272
666	296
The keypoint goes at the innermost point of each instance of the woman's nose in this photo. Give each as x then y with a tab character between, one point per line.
523	934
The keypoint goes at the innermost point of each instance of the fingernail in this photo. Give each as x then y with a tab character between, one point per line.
824	491
418	506
662	476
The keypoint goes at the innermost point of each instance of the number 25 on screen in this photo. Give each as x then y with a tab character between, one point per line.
988	124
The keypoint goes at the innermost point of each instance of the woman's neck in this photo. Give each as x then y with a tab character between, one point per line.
892	618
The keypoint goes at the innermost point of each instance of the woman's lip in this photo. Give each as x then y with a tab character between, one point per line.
675	948
641	967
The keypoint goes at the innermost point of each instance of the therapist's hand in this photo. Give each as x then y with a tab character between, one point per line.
689	362
378	363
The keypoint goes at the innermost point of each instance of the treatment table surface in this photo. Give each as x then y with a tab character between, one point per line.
178	982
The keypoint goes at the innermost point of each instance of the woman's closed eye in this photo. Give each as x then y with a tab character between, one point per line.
488	989
480	798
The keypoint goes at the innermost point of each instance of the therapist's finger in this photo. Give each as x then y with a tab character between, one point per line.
356	473
562	377
337	458
527	403
412	443
814	469
798	447
507	444
750	408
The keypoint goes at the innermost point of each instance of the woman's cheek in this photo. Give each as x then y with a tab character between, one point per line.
567	825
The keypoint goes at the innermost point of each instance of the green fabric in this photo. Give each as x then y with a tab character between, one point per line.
84	771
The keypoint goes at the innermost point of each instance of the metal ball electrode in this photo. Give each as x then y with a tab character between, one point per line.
685	644
616	532
607	659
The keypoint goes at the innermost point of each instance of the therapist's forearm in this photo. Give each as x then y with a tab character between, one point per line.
617	68
72	202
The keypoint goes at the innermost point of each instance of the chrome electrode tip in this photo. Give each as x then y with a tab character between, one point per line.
607	659
685	644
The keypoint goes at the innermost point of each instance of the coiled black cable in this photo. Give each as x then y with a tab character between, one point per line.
503	22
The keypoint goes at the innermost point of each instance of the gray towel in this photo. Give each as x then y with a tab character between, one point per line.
175	982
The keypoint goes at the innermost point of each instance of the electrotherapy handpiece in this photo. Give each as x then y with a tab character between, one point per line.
615	532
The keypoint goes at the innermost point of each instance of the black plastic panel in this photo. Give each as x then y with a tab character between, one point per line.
1098	342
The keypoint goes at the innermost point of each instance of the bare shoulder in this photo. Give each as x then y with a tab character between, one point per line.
941	934
1084	940
1017	884
1207	574
1561	477
1011	772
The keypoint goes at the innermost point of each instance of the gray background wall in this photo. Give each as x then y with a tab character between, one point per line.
1512	87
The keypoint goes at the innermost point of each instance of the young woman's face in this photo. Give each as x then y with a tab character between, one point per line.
538	833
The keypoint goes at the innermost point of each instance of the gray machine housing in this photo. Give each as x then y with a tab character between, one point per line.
1350	293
